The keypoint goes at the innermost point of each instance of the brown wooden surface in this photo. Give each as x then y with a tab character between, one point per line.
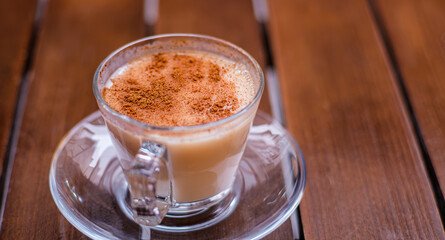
366	179
417	33
76	36
16	18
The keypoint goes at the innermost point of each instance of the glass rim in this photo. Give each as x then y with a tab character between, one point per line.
127	119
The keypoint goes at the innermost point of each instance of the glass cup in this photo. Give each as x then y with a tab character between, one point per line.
181	169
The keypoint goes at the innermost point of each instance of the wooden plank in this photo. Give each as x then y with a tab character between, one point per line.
366	179
416	30
76	35
13	47
231	20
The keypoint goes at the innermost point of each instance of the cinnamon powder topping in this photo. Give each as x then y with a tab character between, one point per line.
179	89
159	62
214	72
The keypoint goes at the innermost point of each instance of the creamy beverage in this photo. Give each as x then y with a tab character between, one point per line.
184	88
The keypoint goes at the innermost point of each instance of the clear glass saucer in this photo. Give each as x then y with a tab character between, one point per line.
87	186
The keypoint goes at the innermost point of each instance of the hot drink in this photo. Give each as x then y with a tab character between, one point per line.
179	109
183	89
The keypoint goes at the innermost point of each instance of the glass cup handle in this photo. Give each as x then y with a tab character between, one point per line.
148	208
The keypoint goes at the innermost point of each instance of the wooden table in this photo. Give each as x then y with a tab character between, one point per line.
362	87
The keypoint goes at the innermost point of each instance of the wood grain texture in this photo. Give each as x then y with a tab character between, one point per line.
16	19
417	33
366	179
76	35
231	20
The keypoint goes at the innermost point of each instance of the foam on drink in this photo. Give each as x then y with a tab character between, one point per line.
180	88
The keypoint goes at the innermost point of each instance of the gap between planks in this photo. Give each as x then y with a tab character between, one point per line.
20	104
432	177
262	14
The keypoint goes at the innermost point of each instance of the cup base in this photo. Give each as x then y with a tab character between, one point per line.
184	217
181	210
